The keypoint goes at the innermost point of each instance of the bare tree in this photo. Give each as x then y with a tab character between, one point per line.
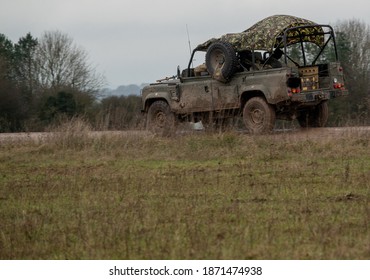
353	38
353	42
61	64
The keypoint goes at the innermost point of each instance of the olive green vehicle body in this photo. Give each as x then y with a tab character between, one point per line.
192	95
290	91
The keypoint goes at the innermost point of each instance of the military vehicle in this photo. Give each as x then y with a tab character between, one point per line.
283	67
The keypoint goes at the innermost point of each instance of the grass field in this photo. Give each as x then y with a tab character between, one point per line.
219	196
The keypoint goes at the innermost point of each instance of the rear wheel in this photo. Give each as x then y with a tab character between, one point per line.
258	116
160	119
316	117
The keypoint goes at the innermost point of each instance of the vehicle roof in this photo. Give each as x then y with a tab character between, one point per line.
267	34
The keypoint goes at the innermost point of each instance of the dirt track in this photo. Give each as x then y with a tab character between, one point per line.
328	132
312	133
40	137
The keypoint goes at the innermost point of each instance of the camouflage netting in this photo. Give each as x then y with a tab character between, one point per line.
267	34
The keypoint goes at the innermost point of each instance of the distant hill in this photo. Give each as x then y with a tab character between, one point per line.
124	90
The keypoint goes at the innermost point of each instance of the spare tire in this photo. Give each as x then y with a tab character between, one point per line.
221	61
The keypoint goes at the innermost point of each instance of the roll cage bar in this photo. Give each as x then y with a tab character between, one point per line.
284	40
330	32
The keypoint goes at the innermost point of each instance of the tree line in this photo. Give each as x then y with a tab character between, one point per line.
353	41
46	79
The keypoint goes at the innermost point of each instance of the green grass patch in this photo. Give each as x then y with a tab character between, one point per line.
224	196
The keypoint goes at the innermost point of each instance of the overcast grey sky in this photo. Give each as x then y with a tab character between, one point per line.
137	41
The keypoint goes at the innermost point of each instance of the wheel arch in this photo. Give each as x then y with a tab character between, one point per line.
151	99
246	95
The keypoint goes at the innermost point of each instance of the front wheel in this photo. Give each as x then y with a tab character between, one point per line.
160	119
258	116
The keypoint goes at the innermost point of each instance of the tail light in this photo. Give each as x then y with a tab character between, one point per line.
337	85
292	91
294	85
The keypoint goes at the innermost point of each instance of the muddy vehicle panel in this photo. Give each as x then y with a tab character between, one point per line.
292	75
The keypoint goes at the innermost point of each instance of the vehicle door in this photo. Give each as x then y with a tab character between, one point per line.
225	95
196	95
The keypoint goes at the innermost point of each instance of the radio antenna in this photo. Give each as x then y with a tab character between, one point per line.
187	32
